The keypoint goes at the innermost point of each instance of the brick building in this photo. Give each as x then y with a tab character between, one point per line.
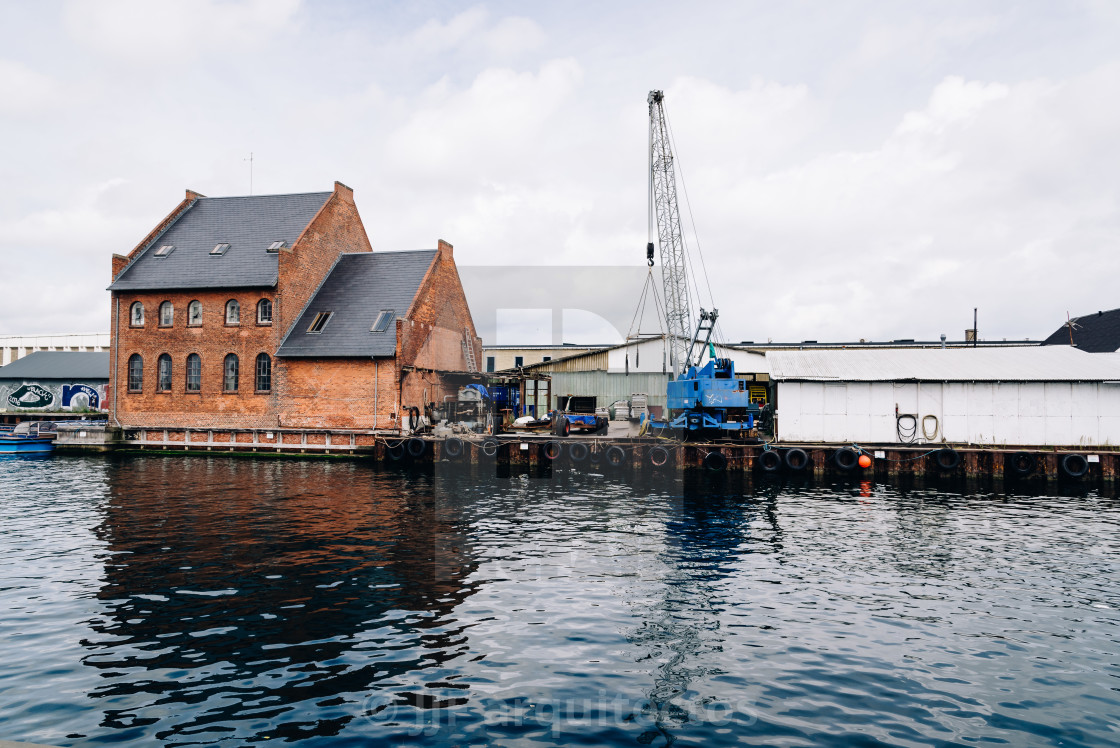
274	311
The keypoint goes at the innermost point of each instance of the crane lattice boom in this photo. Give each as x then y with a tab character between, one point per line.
663	197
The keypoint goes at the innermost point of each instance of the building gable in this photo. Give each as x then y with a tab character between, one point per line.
249	225
353	295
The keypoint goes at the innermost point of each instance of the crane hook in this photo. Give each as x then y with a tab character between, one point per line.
649	254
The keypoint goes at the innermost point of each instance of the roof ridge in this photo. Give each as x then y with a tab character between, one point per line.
278	194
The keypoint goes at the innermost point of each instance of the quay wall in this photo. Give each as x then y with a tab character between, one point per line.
611	456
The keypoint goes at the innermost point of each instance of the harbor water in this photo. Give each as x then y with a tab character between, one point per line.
217	601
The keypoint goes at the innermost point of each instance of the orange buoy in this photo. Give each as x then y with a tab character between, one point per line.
864	461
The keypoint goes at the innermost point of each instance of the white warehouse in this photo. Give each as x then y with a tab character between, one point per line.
1025	396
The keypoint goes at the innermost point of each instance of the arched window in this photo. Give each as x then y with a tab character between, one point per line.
136	315
264	373
194	313
264	312
229	380
194	373
166	314
233	312
135	373
163	380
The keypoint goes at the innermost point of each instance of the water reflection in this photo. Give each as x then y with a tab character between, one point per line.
233	602
278	587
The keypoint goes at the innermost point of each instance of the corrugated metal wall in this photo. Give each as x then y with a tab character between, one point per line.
609	387
995	413
591	361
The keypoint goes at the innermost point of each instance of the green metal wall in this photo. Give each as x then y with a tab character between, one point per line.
609	387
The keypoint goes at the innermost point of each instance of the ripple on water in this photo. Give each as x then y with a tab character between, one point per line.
194	601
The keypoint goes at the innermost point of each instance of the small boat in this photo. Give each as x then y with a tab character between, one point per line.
29	437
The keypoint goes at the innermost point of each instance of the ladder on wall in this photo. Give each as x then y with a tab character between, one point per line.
468	350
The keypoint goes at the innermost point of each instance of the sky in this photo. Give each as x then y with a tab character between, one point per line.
854	170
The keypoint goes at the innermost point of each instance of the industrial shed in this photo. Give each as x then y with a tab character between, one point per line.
1035	396
617	372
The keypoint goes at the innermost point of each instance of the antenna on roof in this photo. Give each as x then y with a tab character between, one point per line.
1072	326
250	160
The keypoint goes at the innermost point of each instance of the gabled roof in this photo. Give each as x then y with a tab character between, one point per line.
1027	364
248	224
68	365
1093	333
359	287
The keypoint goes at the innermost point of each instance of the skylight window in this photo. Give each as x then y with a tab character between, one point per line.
319	322
220	249
164	250
276	246
383	321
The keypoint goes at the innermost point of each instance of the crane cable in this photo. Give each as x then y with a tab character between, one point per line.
692	220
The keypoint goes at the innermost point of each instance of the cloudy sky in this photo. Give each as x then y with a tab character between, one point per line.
854	170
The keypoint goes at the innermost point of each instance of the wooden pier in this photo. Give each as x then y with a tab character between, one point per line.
625	454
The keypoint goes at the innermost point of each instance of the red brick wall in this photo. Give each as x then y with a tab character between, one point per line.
211	341
339	393
336	229
431	336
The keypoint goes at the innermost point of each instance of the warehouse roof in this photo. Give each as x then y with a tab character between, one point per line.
68	365
1094	333
342	317
248	225
1027	364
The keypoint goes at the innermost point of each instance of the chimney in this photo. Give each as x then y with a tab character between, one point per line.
446	249
343	192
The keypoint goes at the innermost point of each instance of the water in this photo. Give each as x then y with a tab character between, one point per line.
193	601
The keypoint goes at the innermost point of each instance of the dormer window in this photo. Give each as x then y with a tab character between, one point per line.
164	250
381	324
276	246
219	249
319	322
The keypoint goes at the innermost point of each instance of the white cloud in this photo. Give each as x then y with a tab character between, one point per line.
874	173
172	33
24	91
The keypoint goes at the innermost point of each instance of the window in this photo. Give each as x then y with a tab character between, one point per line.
319	322
547	358
194	313
165	250
163	381
229	379
194	373
518	361
381	324
264	312
166	314
219	249
264	373
489	363
135	373
275	246
233	312
136	315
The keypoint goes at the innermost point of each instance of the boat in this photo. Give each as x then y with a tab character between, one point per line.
29	437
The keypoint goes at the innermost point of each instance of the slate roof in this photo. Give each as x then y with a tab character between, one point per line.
75	366
248	224
359	286
1093	333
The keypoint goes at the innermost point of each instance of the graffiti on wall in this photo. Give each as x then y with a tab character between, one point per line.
50	396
